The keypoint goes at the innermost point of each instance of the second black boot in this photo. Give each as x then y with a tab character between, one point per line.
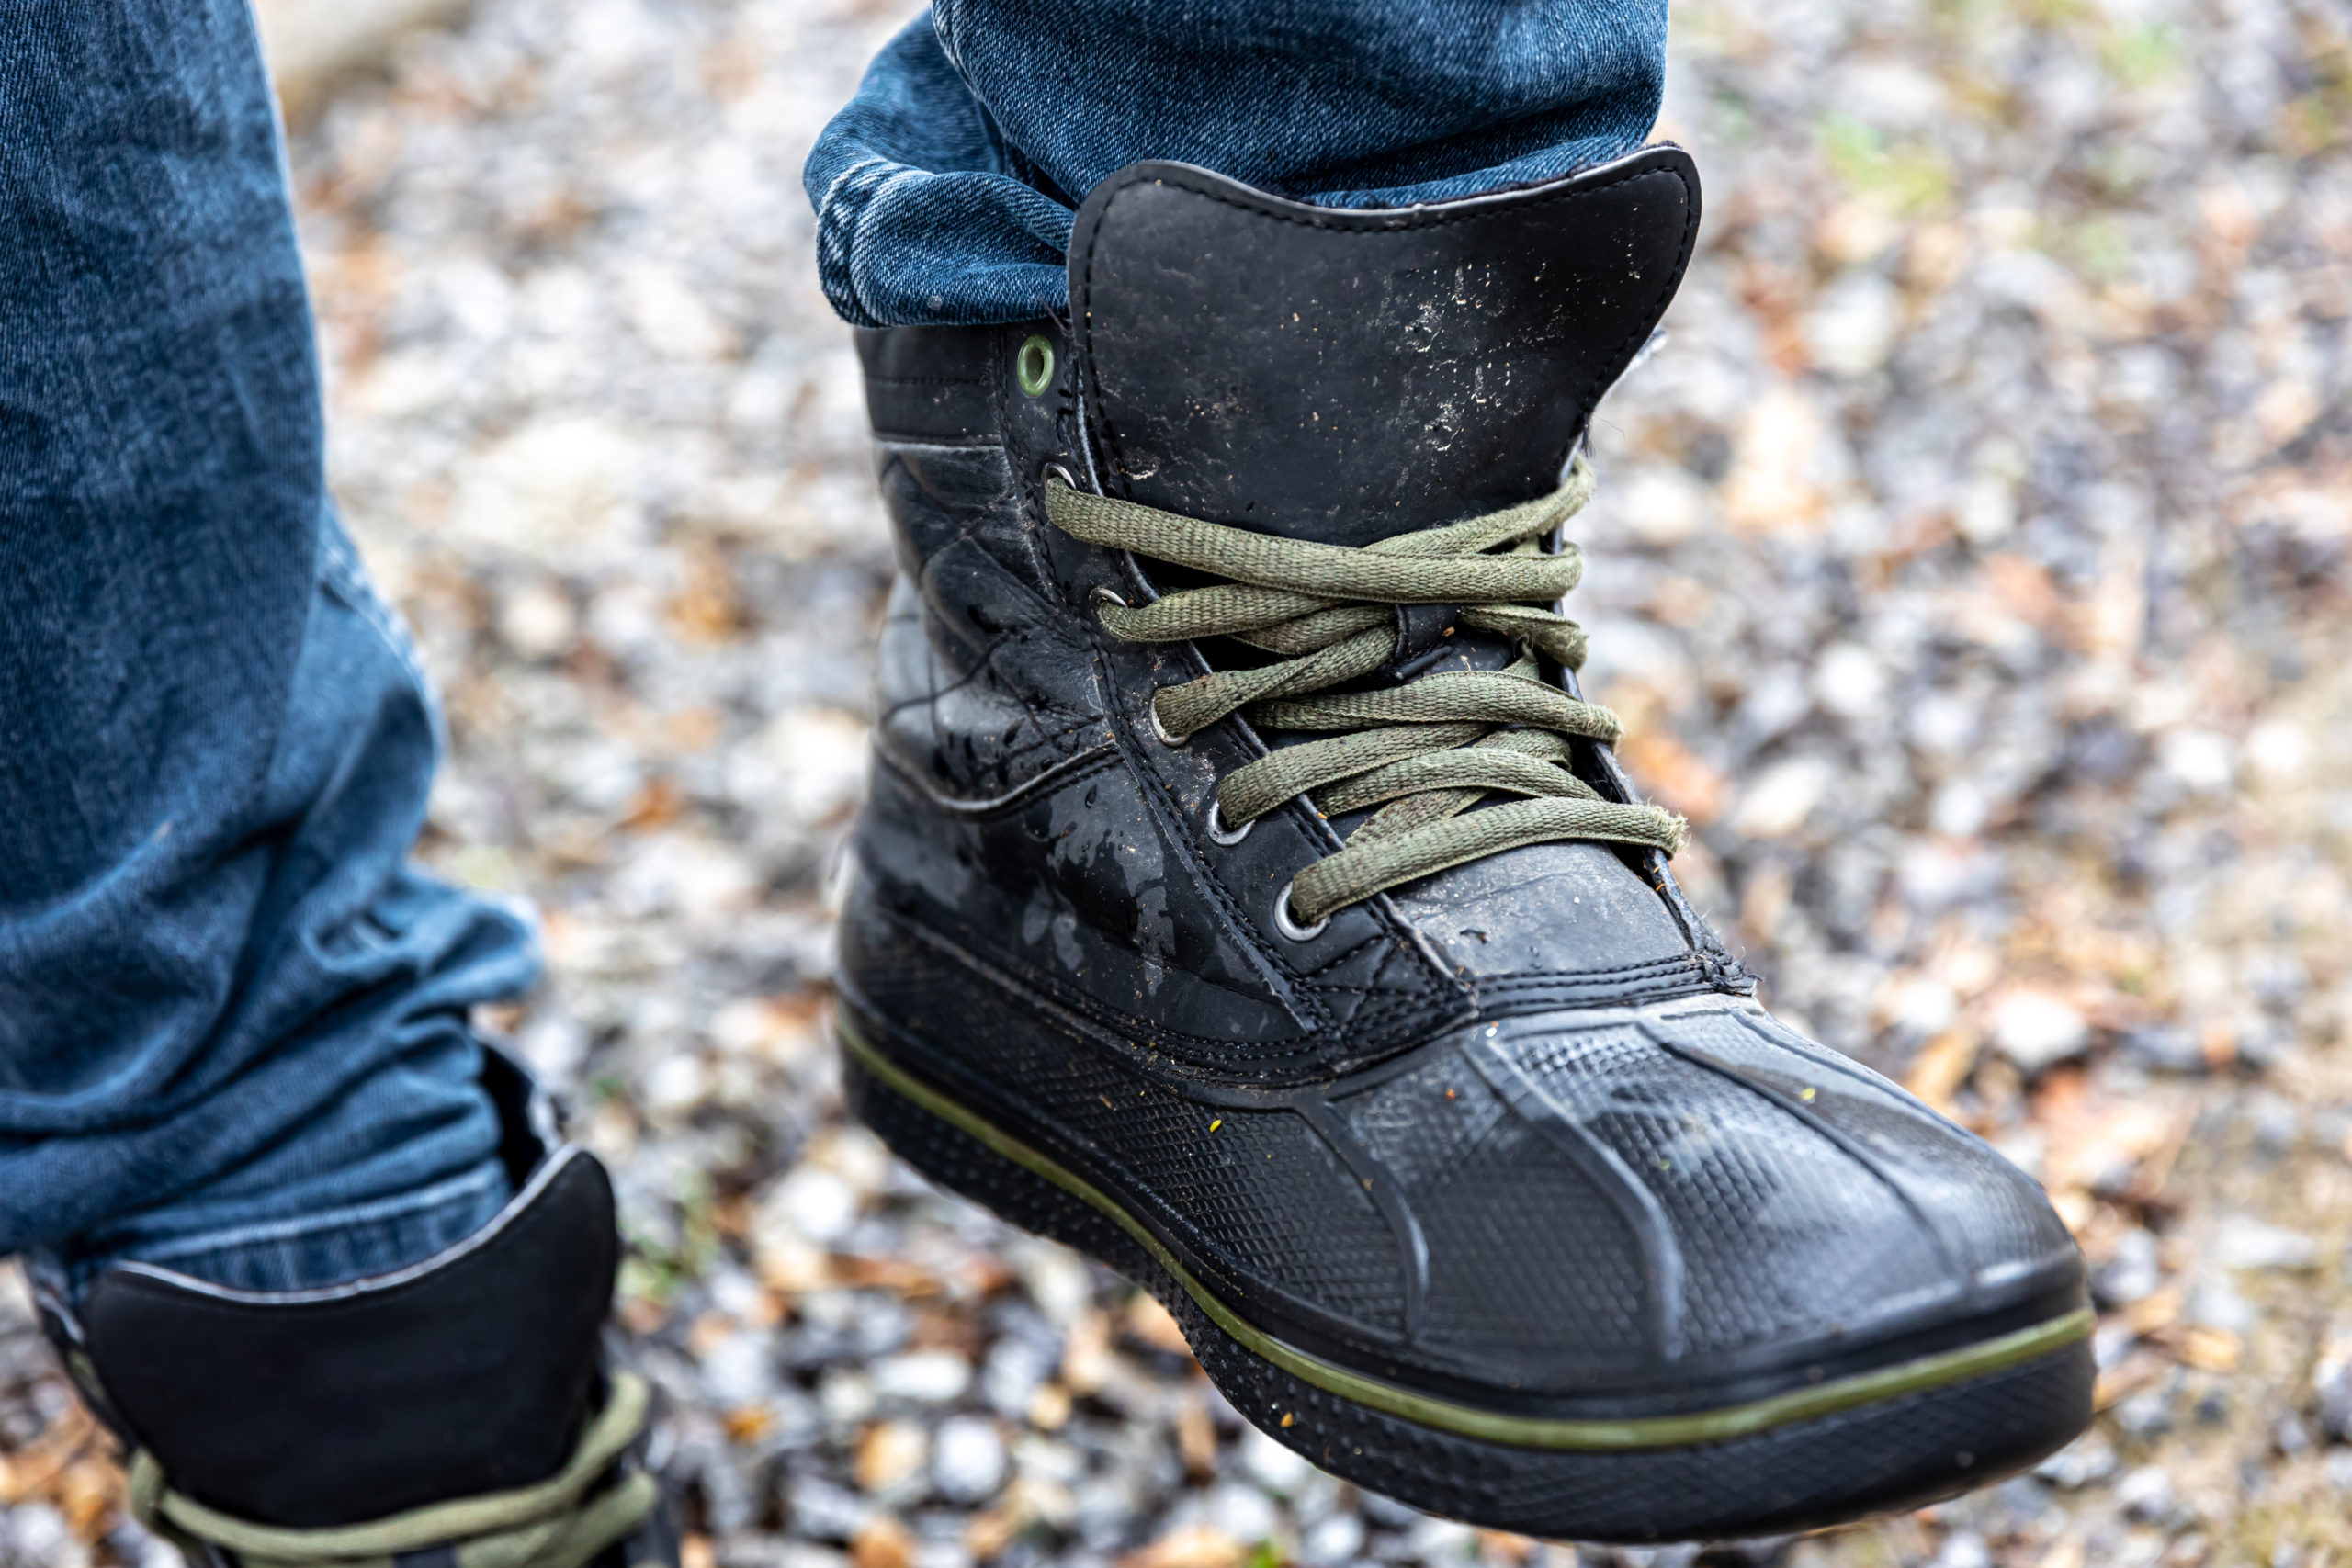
1248	898
456	1414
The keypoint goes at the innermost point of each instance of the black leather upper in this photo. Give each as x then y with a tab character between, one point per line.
1512	1131
1023	807
1343	376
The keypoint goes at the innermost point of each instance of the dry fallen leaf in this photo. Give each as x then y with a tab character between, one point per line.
750	1422
1087	1363
1196	1438
990	1531
1196	1547
889	1453
1152	1324
1674	776
1941	1066
2208	1350
882	1542
1049	1407
2067	1553
2157	1311
1500	1546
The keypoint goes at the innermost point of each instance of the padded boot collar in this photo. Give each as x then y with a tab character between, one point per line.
1343	376
466	1373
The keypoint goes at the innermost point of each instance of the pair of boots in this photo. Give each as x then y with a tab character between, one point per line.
1248	898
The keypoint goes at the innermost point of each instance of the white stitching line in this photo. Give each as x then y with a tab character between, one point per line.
280	1232
498	1223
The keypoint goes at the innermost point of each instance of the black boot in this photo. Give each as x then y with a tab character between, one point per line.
451	1413
1299	947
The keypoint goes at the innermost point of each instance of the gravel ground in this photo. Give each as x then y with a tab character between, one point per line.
1972	566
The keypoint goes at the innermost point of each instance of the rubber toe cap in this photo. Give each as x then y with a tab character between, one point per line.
1686	1193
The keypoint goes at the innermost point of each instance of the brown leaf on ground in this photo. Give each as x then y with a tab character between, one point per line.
2208	1350
1500	1546
1673	776
1198	1546
990	1531
2093	1139
1196	1437
889	1453
1153	1324
1087	1362
1941	1066
882	1542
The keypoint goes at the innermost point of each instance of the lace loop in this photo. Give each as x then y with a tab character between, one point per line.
1425	751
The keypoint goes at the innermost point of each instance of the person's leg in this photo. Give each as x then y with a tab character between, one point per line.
944	191
305	1247
232	1020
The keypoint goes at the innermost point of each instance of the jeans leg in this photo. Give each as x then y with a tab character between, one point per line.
232	1020
943	191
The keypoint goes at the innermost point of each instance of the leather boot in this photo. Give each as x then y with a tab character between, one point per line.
452	1413
1248	898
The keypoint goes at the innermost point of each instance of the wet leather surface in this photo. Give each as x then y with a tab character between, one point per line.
1346	376
996	683
1440	1134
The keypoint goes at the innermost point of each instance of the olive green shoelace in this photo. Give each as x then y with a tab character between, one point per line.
563	1522
1426	752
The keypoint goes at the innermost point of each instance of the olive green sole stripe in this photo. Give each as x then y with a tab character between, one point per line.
1919	1376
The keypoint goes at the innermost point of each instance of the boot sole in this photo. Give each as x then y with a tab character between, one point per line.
1893	1438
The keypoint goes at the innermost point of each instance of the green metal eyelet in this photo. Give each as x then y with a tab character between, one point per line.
1034	367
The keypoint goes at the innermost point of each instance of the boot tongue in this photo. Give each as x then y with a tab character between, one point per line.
1343	376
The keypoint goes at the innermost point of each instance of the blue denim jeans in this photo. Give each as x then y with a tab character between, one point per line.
232	1020
944	191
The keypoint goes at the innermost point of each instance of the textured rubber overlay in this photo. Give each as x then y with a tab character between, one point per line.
1895	1450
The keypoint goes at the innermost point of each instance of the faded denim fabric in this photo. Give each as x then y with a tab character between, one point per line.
944	191
232	1019
232	1031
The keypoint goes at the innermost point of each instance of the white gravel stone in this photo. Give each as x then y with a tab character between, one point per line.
1849	681
2244	1242
1335	1541
1777	804
738	1370
2036	1030
1274	1467
1433	1542
816	1203
1010	1378
2146	1492
35	1535
924	1377
967	1460
1852	330
1242	1512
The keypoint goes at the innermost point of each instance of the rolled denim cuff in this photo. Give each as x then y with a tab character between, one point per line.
897	245
310	1251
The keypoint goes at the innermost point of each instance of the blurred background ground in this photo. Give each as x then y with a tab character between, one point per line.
1972	566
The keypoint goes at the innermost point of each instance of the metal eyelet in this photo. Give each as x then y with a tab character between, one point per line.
1056	471
1218	829
1291	928
1034	367
1108	596
1160	729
